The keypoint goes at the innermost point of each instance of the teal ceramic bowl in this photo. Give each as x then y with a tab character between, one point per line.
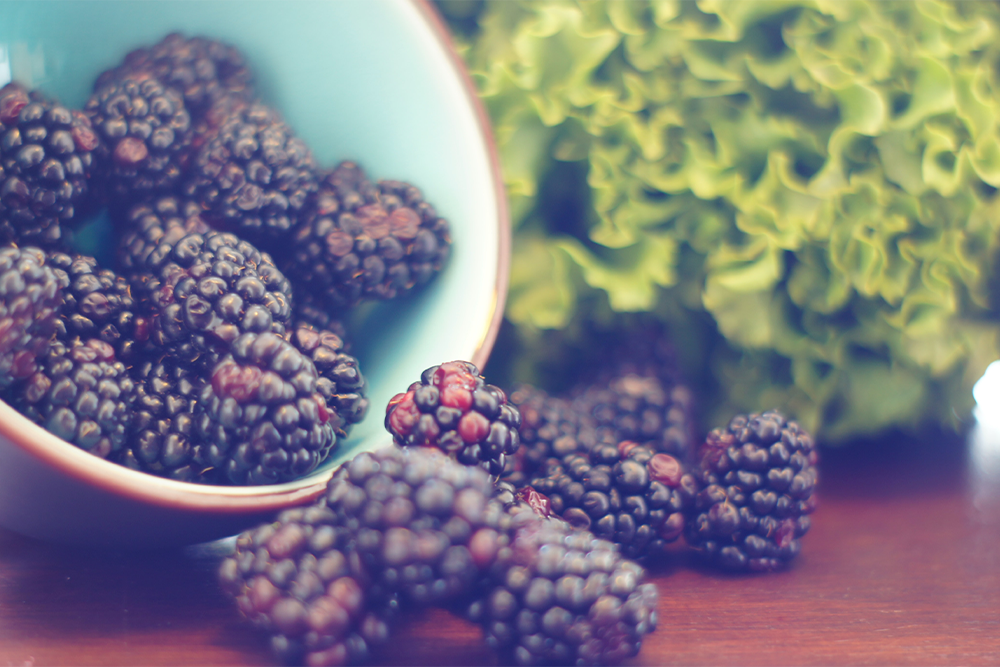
375	81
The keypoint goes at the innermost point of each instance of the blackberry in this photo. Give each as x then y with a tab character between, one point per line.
201	69
360	240
563	596
204	290
252	175
46	156
98	304
453	409
145	133
300	580
630	494
756	479
163	439
550	427
261	415
30	298
146	225
309	311
341	383
425	525
81	394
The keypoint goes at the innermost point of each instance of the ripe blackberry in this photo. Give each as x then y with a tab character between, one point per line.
145	133
453	409
46	156
425	526
252	175
147	224
98	303
360	240
756	479
163	439
341	383
562	596
261	415
641	409
630	494
81	394
300	580
309	310
550	427
204	290
30	298
201	69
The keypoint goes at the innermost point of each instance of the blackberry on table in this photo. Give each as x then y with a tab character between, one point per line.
261	416
629	494
145	133
203	70
253	176
756	479
98	303
30	298
453	409
299	579
46	158
550	428
362	240
82	394
163	439
340	382
424	524
562	596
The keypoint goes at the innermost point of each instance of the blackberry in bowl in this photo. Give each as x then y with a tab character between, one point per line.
295	52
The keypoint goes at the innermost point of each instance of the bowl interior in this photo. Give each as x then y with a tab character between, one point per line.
368	81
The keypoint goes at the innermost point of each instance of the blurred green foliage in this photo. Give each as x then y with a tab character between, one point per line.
805	191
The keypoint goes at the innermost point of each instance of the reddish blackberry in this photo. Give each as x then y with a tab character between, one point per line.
98	304
360	240
163	439
341	383
202	69
261	415
204	290
300	580
453	409
424	524
45	166
253	176
629	494
81	394
756	480
145	133
563	597
30	298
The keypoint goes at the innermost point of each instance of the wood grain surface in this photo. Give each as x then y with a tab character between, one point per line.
902	567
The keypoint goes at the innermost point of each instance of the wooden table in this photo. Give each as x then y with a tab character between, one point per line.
902	567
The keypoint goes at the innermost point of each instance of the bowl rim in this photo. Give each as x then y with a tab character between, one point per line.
118	480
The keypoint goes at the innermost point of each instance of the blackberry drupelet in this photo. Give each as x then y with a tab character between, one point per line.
30	298
46	158
453	409
145	133
756	480
163	439
562	596
98	304
630	494
424	524
360	240
203	70
81	394
261	415
253	176
341	383
205	290
300	580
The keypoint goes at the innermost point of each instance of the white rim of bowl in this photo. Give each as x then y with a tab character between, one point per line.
116	479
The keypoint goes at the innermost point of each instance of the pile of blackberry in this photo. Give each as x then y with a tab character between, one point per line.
189	352
410	528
